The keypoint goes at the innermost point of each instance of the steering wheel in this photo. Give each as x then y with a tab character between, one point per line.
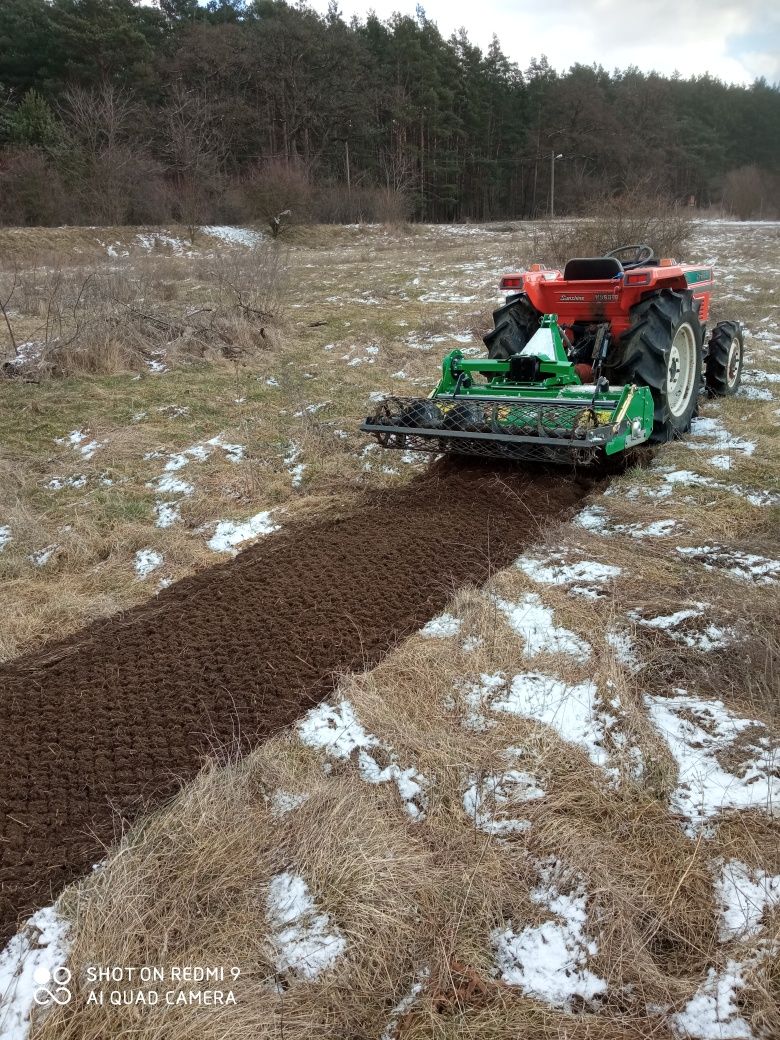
641	254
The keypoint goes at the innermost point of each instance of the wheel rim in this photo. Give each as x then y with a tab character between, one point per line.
681	370
732	365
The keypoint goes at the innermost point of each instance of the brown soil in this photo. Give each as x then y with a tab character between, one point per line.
113	719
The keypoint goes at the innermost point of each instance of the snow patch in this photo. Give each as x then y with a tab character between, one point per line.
230	533
755	393
741	565
58	483
311	409
548	961
572	711
405	1004
596	519
697	731
705	639
295	468
240	236
487	796
719	437
28	962
411	784
712	1013
146	561
42	556
337	731
533	621
442	626
446	297
476	697
283	802
159	241
625	652
548	572
233	452
471	643
167	514
744	894
305	941
173	486
687	478
74	438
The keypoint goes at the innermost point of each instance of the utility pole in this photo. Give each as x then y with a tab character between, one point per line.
553	157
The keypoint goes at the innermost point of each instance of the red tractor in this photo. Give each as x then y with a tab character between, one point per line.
656	316
582	363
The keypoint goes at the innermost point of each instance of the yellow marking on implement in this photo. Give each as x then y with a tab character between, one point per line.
624	408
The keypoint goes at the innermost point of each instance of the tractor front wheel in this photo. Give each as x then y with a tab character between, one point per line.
724	359
663	351
515	322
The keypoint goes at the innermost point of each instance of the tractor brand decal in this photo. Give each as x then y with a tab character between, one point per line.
698	277
598	297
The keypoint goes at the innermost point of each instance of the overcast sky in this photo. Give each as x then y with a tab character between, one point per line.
736	40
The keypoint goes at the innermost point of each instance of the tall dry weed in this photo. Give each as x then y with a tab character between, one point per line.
141	312
609	223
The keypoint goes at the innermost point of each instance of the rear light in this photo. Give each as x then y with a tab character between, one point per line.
511	281
642	278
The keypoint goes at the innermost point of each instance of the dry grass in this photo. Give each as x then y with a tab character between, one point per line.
105	315
189	884
402	290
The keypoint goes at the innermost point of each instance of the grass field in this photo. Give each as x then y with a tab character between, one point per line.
553	812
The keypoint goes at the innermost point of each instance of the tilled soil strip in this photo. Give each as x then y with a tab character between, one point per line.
114	718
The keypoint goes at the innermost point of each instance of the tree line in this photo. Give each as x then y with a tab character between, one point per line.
114	112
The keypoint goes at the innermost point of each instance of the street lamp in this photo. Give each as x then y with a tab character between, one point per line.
553	157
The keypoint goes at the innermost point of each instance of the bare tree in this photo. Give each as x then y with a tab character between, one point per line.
101	119
111	163
195	149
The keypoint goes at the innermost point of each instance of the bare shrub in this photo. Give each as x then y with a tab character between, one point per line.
101	318
361	204
31	190
751	192
654	220
278	193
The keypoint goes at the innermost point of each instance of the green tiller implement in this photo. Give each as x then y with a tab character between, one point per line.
582	363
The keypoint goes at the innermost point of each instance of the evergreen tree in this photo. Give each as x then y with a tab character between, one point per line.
34	124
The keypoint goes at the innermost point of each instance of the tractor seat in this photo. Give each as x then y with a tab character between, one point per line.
592	269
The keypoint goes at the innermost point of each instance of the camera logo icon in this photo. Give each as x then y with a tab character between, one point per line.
51	986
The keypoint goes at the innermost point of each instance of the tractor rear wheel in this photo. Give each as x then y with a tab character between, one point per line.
724	359
514	323
663	350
